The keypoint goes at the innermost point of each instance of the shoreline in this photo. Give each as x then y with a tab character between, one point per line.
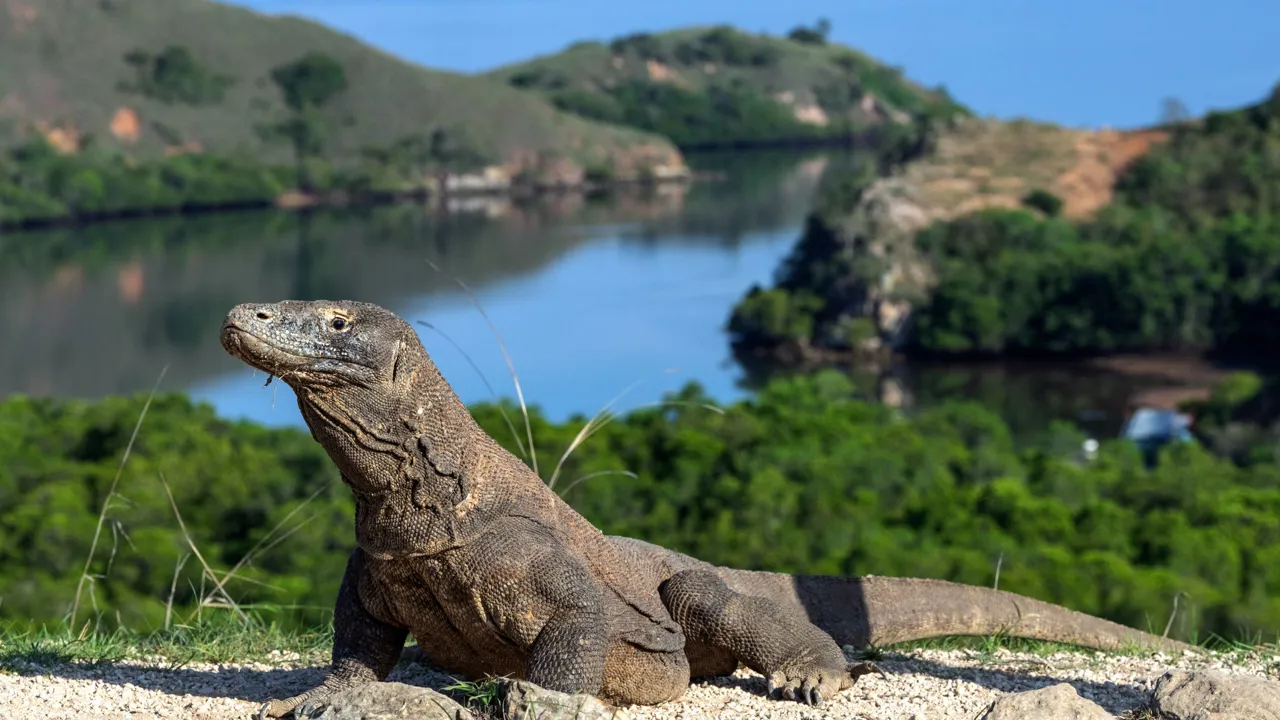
294	200
1186	367
297	201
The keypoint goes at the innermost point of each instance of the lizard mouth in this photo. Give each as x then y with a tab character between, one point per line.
259	352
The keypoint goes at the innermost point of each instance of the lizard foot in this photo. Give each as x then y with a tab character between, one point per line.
275	709
813	681
300	706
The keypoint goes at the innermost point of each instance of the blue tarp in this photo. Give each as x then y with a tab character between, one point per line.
1148	425
1152	429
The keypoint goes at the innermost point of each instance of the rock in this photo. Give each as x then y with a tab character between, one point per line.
525	701
1211	695
383	701
1055	702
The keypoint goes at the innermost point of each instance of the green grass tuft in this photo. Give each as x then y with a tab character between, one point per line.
216	638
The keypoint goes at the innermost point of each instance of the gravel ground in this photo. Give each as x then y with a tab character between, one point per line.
920	685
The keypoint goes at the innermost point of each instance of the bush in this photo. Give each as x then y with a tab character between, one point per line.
816	35
174	76
772	317
1044	201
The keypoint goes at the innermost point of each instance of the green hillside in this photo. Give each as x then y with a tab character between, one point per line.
146	75
709	86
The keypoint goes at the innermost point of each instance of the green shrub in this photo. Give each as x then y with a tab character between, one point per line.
1044	201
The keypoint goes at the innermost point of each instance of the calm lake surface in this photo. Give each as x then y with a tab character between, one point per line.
590	295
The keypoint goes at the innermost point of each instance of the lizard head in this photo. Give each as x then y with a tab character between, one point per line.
373	398
320	343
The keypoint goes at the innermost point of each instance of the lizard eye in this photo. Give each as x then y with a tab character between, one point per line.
338	323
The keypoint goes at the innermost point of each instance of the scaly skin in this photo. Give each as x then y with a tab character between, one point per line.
462	545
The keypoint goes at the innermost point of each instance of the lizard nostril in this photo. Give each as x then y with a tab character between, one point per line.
264	315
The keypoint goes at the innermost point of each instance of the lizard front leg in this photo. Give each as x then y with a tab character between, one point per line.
365	649
569	651
800	661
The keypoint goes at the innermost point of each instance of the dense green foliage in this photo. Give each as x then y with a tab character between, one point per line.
717	86
39	183
231	482
802	478
1182	259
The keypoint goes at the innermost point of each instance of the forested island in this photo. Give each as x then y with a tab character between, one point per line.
1174	250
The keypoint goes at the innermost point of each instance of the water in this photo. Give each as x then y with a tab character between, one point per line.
590	296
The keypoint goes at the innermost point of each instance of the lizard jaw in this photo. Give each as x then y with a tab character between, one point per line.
263	355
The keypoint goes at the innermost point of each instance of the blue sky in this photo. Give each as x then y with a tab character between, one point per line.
1082	63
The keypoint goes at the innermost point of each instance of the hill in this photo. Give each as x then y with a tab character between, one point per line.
1025	239
710	86
156	77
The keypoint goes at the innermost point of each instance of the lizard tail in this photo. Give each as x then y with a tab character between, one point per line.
871	610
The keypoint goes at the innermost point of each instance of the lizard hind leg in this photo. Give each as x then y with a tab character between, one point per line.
365	649
800	661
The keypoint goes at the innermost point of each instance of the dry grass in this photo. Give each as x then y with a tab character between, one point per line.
988	164
85	577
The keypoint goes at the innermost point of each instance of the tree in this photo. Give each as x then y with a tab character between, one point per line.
1173	111
453	150
1044	201
816	35
306	85
439	153
310	81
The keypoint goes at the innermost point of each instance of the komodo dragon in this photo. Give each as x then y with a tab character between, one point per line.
460	543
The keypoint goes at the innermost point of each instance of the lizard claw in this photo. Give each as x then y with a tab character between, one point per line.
815	683
298	707
806	687
857	670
